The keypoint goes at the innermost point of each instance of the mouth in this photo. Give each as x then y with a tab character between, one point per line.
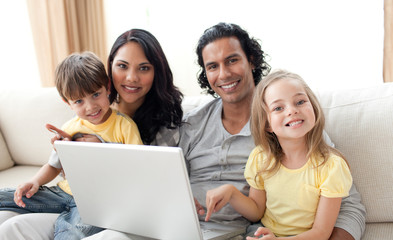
94	114
230	85
294	123
129	88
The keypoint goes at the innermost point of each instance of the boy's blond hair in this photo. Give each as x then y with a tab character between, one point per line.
79	75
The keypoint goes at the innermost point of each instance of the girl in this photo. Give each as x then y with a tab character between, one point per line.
297	181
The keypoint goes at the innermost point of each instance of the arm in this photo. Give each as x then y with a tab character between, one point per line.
322	228
46	174
251	207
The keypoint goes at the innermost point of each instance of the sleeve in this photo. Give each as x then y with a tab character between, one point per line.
352	216
253	165
167	137
336	179
54	160
131	132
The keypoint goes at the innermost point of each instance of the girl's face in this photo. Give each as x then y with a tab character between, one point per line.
132	74
291	114
94	108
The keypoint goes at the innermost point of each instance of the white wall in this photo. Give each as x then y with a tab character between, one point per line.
331	43
18	64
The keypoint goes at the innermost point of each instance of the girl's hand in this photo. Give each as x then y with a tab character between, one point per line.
27	189
217	198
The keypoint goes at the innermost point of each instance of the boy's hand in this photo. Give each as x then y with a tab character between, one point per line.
60	136
27	189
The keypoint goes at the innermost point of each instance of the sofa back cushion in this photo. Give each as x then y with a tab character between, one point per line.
23	115
360	123
5	158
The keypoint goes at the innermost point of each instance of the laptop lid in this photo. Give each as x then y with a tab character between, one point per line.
137	189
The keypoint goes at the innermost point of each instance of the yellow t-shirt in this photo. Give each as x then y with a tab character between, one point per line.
118	128
292	195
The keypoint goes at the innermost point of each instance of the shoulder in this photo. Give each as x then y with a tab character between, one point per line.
203	111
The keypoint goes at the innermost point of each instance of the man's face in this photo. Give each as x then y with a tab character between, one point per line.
228	71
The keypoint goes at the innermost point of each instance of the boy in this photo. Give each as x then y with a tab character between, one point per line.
82	82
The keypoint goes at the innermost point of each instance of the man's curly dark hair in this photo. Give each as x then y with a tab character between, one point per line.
250	46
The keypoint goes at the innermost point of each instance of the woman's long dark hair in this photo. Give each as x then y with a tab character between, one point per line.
162	105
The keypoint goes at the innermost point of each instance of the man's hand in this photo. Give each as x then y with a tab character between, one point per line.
27	189
200	210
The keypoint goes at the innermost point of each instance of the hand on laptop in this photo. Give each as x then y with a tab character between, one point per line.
199	208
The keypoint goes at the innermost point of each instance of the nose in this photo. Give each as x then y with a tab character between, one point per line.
224	72
292	110
131	76
90	105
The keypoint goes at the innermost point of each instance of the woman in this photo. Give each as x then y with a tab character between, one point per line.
142	87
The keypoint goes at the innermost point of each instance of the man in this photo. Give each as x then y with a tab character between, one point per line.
216	138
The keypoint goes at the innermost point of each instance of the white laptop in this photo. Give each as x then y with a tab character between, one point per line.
136	189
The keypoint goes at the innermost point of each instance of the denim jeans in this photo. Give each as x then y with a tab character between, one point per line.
52	200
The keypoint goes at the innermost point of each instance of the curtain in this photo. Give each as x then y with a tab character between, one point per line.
61	27
388	42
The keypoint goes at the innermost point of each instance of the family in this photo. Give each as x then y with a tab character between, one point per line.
257	154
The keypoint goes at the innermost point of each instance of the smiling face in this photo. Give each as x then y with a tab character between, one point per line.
94	107
228	71
290	111
132	75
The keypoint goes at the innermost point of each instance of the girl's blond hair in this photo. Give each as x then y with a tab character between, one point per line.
268	142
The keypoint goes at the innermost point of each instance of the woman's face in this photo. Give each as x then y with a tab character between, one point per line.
132	74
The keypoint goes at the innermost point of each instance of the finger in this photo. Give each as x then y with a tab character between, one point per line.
61	132
262	231
18	199
210	208
200	210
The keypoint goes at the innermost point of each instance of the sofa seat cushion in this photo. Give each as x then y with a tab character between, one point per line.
12	177
380	231
5	158
359	122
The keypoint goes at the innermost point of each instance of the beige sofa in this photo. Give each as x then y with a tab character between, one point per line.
360	123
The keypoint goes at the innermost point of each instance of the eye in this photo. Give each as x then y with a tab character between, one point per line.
233	60
211	67
122	65
276	109
144	68
78	101
300	102
95	95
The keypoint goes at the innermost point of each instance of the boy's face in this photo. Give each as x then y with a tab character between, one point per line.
93	107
